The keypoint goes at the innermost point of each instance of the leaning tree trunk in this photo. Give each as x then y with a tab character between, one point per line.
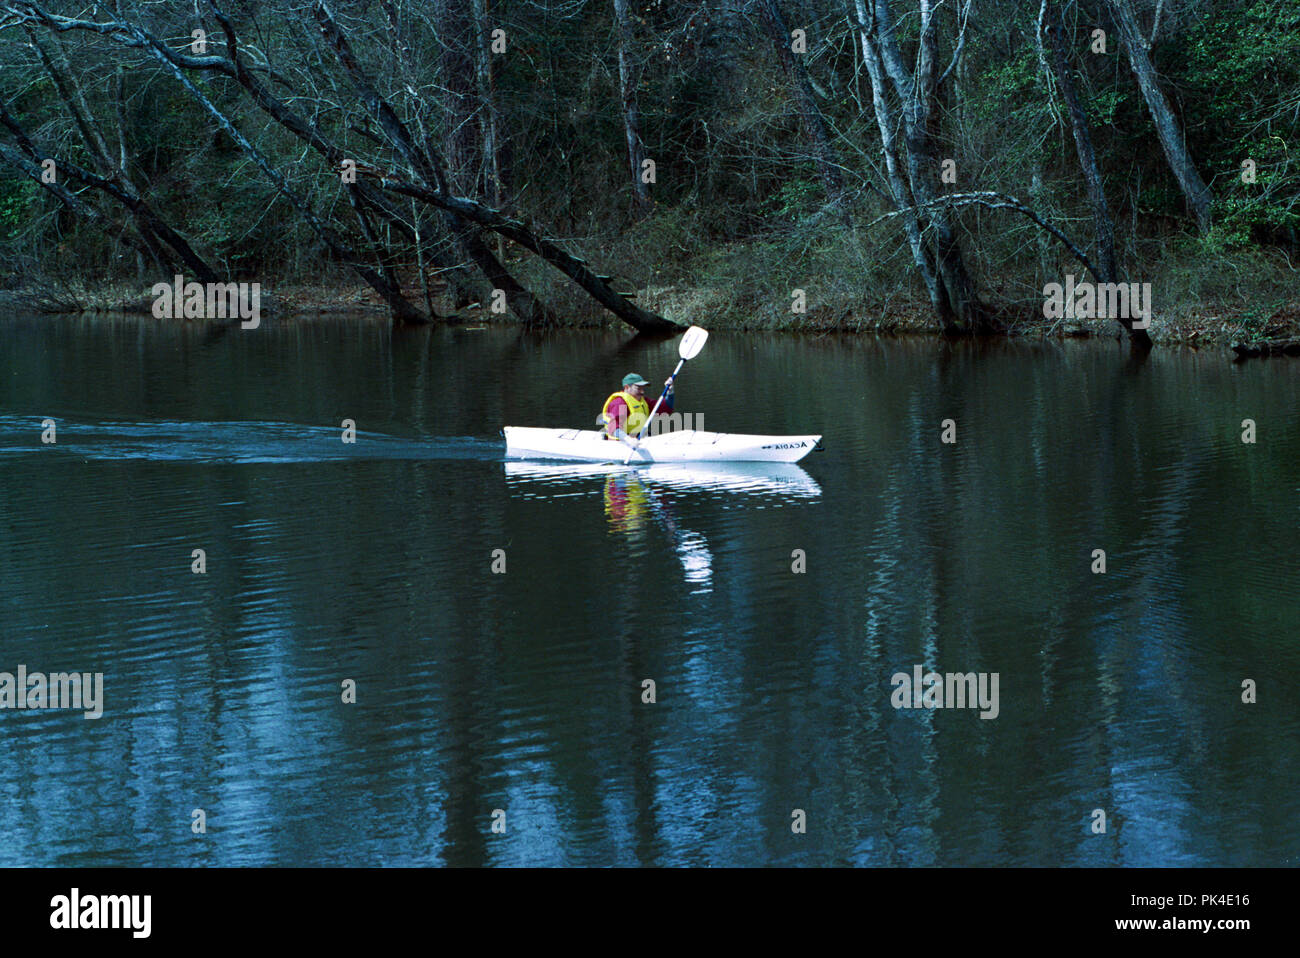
1167	127
572	266
24	164
427	185
151	227
403	311
113	177
458	163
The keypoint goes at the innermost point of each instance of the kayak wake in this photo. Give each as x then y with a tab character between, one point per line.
240	442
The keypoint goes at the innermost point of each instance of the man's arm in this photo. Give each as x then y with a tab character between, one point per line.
666	406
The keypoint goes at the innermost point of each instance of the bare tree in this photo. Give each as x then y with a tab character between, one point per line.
1168	129
152	229
778	31
888	121
488	121
432	185
953	293
627	84
425	178
1051	23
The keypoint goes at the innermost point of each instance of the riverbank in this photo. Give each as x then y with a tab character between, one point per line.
1249	327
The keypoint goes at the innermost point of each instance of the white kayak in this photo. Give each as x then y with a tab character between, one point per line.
682	445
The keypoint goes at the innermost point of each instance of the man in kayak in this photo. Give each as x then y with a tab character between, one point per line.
627	411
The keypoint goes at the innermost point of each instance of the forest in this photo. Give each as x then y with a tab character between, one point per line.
853	165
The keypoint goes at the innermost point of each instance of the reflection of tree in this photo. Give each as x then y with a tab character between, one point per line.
641	730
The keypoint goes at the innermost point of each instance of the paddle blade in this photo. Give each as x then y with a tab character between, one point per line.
692	342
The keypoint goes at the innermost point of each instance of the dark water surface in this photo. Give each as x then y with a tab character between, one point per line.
522	691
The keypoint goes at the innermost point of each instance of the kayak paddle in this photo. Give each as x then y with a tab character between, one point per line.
690	346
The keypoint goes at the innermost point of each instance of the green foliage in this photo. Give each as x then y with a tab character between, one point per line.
1105	106
1241	68
14	200
797	198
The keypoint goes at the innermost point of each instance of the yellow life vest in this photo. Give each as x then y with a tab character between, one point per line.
638	411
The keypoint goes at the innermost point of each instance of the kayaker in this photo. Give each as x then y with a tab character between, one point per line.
626	411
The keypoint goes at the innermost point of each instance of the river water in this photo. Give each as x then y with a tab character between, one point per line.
770	608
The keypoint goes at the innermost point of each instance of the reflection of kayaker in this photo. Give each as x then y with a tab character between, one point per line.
626	411
627	502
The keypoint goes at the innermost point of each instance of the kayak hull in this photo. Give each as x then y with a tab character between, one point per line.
682	445
783	479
